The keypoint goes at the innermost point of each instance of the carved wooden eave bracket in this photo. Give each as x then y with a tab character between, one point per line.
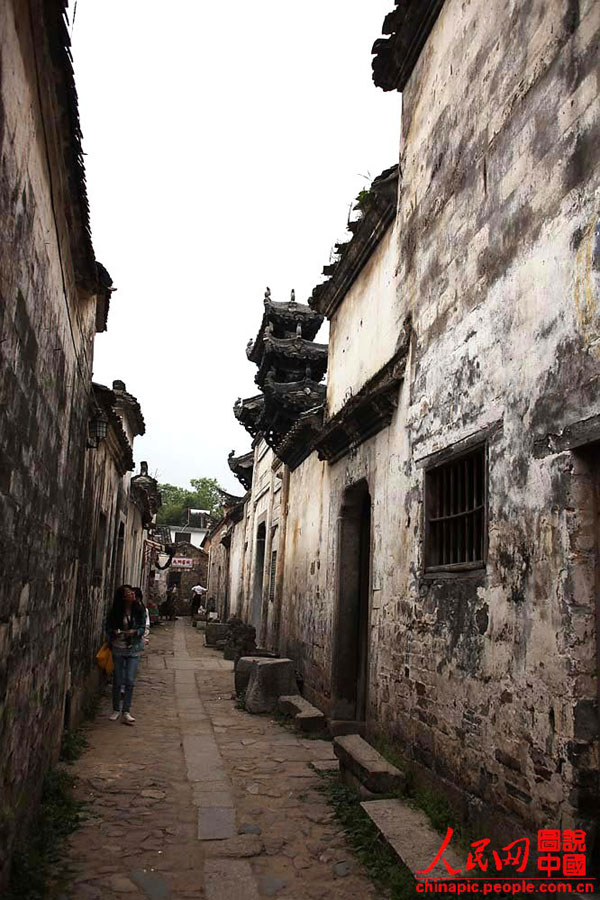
242	467
378	212
249	413
369	411
408	27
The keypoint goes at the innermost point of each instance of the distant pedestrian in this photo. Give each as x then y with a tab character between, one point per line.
196	600
126	626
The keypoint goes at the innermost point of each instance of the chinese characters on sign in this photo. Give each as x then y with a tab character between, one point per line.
559	853
180	562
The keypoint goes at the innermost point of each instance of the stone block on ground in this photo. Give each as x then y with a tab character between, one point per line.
411	835
367	765
269	680
215	631
306	716
243	668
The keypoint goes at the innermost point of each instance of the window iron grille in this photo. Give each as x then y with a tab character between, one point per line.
272	579
456	513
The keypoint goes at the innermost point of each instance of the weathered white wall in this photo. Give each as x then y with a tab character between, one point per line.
365	328
488	680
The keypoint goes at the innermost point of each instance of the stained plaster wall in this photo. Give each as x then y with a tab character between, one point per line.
488	681
237	564
46	330
96	571
364	329
134	542
264	507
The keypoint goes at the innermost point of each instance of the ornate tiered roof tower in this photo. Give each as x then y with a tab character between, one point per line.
291	367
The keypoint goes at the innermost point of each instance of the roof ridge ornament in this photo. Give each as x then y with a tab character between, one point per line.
267	297
293	296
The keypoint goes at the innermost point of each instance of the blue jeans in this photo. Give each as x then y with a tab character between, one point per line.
123	676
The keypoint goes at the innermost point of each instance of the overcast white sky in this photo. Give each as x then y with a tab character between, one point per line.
224	142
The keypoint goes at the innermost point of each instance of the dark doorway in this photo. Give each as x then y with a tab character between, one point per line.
174	580
351	623
259	574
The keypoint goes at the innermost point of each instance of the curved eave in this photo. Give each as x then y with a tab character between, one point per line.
285	317
295	395
408	27
248	413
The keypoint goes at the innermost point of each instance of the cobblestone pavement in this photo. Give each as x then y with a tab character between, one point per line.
200	799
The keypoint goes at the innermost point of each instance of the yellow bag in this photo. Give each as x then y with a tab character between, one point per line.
104	658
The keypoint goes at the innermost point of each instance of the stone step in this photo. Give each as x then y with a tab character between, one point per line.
338	727
306	717
412	837
359	762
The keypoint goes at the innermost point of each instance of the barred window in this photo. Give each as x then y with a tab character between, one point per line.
456	513
273	570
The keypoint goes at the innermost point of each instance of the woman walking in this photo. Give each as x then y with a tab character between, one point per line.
126	625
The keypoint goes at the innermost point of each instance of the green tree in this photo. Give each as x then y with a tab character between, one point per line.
203	494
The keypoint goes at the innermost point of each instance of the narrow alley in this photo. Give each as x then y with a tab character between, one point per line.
370	585
200	799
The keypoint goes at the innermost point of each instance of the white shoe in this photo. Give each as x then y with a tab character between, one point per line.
114	716
128	719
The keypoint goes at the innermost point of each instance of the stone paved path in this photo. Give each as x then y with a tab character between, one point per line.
200	799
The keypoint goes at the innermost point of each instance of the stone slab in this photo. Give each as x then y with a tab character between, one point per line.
216	823
411	835
217	786
229	879
202	759
367	765
306	716
205	799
